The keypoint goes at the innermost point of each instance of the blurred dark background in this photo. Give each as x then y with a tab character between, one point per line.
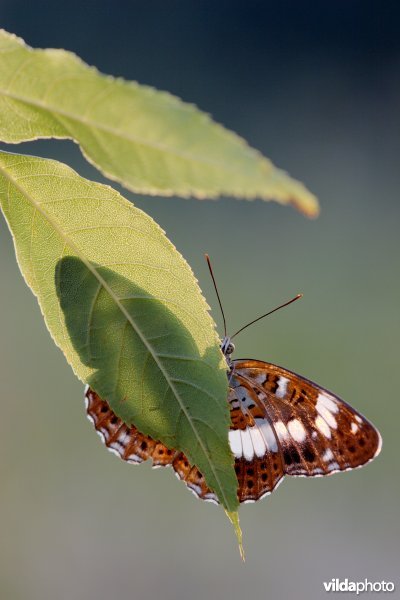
316	87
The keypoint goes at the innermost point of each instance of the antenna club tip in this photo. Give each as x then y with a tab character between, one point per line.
299	295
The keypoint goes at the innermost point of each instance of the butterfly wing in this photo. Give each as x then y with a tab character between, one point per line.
281	424
257	478
131	445
313	431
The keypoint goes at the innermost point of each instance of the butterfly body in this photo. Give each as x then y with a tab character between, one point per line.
281	424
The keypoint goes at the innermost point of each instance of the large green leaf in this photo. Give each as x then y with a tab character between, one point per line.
137	327
150	141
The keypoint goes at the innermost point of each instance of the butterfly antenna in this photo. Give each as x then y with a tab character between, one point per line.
268	313
216	290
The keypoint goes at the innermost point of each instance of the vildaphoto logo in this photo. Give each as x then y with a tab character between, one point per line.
345	585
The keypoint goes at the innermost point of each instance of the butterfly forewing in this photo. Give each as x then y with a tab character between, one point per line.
316	433
281	424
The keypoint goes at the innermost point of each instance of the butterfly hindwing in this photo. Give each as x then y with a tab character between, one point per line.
258	461
134	447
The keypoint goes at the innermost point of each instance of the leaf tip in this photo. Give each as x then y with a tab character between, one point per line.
234	519
307	204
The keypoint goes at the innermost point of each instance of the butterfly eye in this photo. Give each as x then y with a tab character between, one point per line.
230	348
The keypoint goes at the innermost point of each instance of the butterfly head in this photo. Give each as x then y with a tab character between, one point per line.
227	348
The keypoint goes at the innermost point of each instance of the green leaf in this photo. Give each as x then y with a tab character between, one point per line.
137	327
150	141
234	519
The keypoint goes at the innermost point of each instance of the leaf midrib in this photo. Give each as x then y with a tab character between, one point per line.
138	331
120	134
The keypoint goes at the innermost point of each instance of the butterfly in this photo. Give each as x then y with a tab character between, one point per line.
281	424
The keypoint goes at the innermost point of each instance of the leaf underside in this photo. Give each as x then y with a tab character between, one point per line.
124	307
150	141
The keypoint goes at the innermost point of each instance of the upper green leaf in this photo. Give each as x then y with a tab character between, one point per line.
136	326
149	141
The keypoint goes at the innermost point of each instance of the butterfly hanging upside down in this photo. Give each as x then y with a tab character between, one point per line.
281	424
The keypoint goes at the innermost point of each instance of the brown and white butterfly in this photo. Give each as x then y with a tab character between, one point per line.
281	424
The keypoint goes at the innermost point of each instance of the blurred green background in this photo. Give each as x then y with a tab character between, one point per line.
316	87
